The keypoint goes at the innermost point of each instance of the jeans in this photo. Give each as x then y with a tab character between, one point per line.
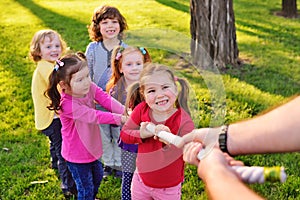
88	177
54	134
54	159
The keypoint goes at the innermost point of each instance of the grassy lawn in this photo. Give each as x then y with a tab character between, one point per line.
269	46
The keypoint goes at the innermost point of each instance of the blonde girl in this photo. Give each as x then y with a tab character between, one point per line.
82	144
159	166
127	65
47	46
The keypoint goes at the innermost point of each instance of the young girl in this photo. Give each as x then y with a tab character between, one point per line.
160	167
127	65
46	47
106	32
81	145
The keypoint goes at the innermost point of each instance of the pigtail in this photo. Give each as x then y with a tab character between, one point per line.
52	92
147	57
182	100
134	97
81	55
115	65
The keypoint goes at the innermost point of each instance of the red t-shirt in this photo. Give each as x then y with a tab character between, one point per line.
159	165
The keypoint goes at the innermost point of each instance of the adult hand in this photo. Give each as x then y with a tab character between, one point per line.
190	152
203	135
215	157
215	162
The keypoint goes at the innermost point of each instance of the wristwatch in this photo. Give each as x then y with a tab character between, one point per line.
223	139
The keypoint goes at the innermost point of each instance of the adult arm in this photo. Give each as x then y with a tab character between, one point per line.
275	131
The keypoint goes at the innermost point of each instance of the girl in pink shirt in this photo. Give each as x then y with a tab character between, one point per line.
82	145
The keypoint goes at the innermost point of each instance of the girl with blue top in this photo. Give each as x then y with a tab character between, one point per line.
127	64
106	32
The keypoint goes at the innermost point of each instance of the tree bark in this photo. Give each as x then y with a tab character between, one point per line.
289	8
213	33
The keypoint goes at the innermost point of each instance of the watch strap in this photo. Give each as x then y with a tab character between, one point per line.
223	139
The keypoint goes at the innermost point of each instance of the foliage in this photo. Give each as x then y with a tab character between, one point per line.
270	75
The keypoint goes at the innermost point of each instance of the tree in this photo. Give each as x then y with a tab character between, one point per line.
213	33
289	8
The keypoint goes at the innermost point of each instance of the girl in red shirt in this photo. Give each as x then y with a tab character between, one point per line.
159	166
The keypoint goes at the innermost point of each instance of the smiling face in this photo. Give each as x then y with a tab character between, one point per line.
132	65
160	92
50	48
79	84
109	28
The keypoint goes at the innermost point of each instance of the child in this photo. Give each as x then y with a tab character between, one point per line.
106	32
160	166
127	64
46	47
81	146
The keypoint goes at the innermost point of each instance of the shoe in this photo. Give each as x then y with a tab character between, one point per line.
107	171
118	174
54	166
69	195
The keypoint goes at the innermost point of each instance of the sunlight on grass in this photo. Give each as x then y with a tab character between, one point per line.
268	46
9	10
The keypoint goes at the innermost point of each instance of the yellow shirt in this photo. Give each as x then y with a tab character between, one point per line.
42	115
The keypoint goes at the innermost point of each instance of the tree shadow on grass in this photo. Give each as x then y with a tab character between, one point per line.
275	79
273	42
76	39
175	4
15	64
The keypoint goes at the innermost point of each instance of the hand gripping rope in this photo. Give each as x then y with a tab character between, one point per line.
253	174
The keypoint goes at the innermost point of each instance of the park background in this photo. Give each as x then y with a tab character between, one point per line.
268	45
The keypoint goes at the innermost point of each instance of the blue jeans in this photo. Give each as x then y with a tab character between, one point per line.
88	177
54	134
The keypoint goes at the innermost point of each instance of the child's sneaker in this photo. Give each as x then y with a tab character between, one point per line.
118	174
107	171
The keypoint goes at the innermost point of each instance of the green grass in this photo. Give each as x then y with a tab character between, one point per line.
269	46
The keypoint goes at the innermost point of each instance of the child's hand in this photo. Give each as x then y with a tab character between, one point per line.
144	133
124	118
158	128
129	111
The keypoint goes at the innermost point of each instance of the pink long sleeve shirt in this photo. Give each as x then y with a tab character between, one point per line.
80	130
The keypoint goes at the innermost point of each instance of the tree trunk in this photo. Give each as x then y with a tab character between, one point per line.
213	33
289	8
